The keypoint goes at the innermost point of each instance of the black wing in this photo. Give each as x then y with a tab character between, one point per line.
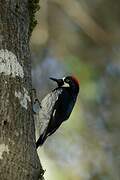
61	112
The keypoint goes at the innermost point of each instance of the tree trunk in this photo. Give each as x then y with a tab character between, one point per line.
18	155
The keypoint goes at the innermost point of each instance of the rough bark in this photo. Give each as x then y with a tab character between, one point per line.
18	155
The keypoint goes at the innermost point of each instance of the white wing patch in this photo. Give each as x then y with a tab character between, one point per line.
54	112
45	112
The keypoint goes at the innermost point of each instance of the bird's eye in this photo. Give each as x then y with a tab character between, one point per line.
67	80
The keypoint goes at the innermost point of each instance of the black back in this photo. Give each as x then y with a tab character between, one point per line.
61	112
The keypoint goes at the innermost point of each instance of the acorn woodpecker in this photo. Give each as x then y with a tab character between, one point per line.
56	107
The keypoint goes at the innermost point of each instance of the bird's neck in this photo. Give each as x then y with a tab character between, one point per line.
74	89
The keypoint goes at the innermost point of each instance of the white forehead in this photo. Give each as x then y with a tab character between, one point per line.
63	78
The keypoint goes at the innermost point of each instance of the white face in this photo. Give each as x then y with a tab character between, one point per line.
65	84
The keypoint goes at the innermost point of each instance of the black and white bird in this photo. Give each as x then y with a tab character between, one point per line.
56	107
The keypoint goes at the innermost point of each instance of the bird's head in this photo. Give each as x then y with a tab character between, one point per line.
69	81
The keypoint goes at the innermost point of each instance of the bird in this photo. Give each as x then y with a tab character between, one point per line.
57	106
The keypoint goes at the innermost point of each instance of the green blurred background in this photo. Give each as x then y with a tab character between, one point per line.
81	37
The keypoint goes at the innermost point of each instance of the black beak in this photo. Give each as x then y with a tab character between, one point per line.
59	81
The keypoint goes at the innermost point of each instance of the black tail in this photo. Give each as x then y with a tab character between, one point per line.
41	140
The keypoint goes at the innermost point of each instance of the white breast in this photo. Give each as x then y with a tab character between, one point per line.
43	117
